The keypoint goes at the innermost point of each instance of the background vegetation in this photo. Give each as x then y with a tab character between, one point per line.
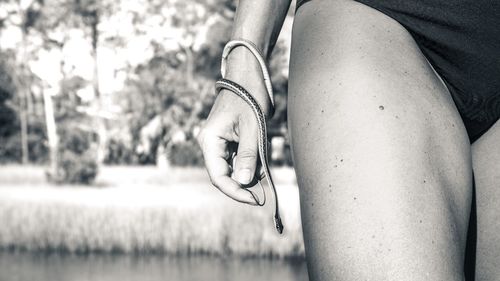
104	99
141	210
87	82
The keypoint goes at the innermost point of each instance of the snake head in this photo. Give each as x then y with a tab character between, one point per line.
278	224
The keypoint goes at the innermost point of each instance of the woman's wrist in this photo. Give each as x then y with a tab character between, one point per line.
244	69
259	22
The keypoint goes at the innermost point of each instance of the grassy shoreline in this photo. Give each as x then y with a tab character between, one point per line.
143	210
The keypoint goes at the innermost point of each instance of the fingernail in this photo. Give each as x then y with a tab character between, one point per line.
244	176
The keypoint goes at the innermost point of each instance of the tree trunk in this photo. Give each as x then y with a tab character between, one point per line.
51	132
23	90
101	125
24	126
189	65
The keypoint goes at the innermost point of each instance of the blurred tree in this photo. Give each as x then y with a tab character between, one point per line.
89	11
46	28
9	123
173	90
18	16
134	76
46	21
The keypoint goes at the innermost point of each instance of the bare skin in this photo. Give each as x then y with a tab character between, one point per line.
382	158
486	163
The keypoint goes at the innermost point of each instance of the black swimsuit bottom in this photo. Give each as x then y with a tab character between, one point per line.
461	39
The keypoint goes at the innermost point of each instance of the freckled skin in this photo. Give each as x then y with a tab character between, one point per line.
363	144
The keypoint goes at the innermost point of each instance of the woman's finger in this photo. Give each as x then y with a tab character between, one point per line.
216	154
247	153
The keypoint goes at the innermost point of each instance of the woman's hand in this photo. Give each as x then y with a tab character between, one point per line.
231	121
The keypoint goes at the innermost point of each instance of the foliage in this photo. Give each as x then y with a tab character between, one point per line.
166	54
8	121
77	168
185	154
118	152
76	152
10	136
77	162
8	116
170	212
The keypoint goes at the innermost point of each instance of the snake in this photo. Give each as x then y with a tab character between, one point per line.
262	142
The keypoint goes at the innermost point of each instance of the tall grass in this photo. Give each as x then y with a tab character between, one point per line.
144	210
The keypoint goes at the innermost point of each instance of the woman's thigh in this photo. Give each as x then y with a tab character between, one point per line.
381	155
486	163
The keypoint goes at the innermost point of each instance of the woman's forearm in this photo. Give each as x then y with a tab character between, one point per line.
259	21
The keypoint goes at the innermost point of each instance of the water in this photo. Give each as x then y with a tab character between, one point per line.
59	267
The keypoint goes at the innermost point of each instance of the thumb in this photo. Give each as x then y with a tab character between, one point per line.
247	155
